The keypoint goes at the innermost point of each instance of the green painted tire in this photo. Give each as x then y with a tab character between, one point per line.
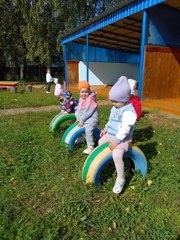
59	119
102	156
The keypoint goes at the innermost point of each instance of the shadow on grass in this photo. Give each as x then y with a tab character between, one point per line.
143	134
149	150
109	170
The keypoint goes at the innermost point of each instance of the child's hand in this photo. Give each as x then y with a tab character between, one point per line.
80	124
64	113
103	132
112	144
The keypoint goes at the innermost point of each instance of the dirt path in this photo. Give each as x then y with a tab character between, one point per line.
15	111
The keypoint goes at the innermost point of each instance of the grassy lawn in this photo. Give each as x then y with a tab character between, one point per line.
38	97
43	197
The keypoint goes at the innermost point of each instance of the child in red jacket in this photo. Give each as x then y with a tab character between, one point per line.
135	100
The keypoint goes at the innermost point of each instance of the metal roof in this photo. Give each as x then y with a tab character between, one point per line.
119	29
124	35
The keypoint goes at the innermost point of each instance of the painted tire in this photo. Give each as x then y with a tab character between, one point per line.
74	132
59	119
102	156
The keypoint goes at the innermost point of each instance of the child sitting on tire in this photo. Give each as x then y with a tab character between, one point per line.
119	129
87	114
68	104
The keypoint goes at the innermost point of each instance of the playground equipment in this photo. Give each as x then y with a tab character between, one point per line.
74	132
102	156
59	119
9	85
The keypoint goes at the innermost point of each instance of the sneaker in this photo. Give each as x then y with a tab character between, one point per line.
118	187
88	150
47	92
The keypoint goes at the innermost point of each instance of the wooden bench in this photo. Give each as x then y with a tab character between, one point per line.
9	85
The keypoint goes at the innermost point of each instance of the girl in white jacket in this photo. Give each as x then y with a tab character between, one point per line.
49	80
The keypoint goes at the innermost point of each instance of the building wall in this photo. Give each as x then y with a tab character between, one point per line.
164	27
162	73
107	73
77	52
162	54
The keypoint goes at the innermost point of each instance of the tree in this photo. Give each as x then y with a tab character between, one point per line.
31	30
12	46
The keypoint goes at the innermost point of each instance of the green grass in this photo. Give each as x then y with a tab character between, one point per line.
38	97
43	197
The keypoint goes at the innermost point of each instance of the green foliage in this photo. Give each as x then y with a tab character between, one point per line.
12	46
43	197
31	31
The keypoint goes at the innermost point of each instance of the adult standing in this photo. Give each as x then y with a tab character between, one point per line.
49	80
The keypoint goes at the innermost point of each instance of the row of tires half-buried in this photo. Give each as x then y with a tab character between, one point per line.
97	161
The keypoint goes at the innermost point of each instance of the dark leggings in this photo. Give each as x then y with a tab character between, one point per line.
49	86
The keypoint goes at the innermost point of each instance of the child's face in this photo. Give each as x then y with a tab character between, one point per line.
61	97
84	93
118	104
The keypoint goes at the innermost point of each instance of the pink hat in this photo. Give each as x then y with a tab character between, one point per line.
121	91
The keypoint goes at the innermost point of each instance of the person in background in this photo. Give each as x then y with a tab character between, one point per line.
58	91
87	114
68	104
119	129
135	100
49	80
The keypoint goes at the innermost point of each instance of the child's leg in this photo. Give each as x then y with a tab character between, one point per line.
89	134
89	138
117	155
119	165
49	86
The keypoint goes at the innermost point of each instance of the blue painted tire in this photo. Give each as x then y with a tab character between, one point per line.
74	132
102	156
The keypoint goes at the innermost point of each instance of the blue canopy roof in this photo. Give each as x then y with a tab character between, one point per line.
120	28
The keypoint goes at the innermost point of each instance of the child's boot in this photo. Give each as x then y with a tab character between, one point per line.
88	150
119	184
